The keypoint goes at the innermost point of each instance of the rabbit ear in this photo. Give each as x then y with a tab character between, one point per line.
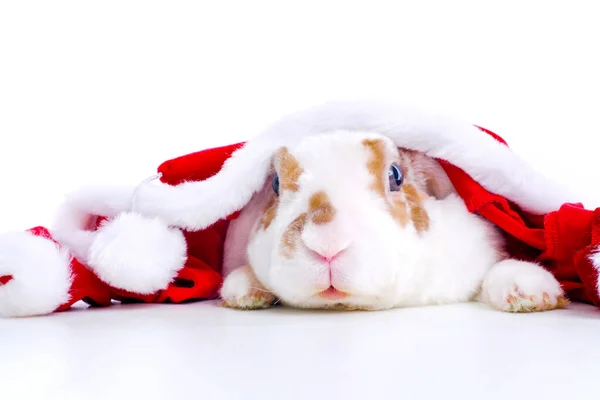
428	174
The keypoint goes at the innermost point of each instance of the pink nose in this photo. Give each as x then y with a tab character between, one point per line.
328	256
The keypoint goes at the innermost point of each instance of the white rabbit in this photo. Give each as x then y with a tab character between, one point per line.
348	220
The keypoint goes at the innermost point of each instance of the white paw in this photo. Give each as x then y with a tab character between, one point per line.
241	289
519	286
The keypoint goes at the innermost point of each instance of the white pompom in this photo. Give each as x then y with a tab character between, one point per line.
137	254
38	272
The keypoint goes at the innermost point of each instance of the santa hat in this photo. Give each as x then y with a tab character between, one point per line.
485	159
201	189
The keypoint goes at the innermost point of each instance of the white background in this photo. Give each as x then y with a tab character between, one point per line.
104	91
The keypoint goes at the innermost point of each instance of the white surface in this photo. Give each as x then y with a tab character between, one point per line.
105	91
204	351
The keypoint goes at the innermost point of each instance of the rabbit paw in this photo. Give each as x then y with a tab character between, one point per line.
242	290
519	286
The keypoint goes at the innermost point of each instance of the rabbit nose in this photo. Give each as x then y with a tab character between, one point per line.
326	235
328	254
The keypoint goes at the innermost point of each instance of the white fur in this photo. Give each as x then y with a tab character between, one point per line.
196	205
41	275
137	254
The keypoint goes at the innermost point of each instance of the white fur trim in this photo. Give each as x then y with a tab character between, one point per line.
137	254
41	275
196	205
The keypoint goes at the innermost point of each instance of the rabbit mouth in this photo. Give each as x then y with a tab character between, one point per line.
331	293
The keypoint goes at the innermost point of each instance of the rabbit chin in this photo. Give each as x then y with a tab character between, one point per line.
334	298
342	301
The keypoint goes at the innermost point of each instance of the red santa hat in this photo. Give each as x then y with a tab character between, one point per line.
157	228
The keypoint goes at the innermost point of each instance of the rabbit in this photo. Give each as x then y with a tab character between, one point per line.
347	220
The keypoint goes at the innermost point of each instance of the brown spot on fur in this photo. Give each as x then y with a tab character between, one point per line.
376	164
289	170
320	208
399	211
270	212
413	196
291	236
420	218
418	215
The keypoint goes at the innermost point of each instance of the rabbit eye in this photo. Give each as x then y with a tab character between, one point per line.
275	184
396	178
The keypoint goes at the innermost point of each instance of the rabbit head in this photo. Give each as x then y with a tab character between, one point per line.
343	215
